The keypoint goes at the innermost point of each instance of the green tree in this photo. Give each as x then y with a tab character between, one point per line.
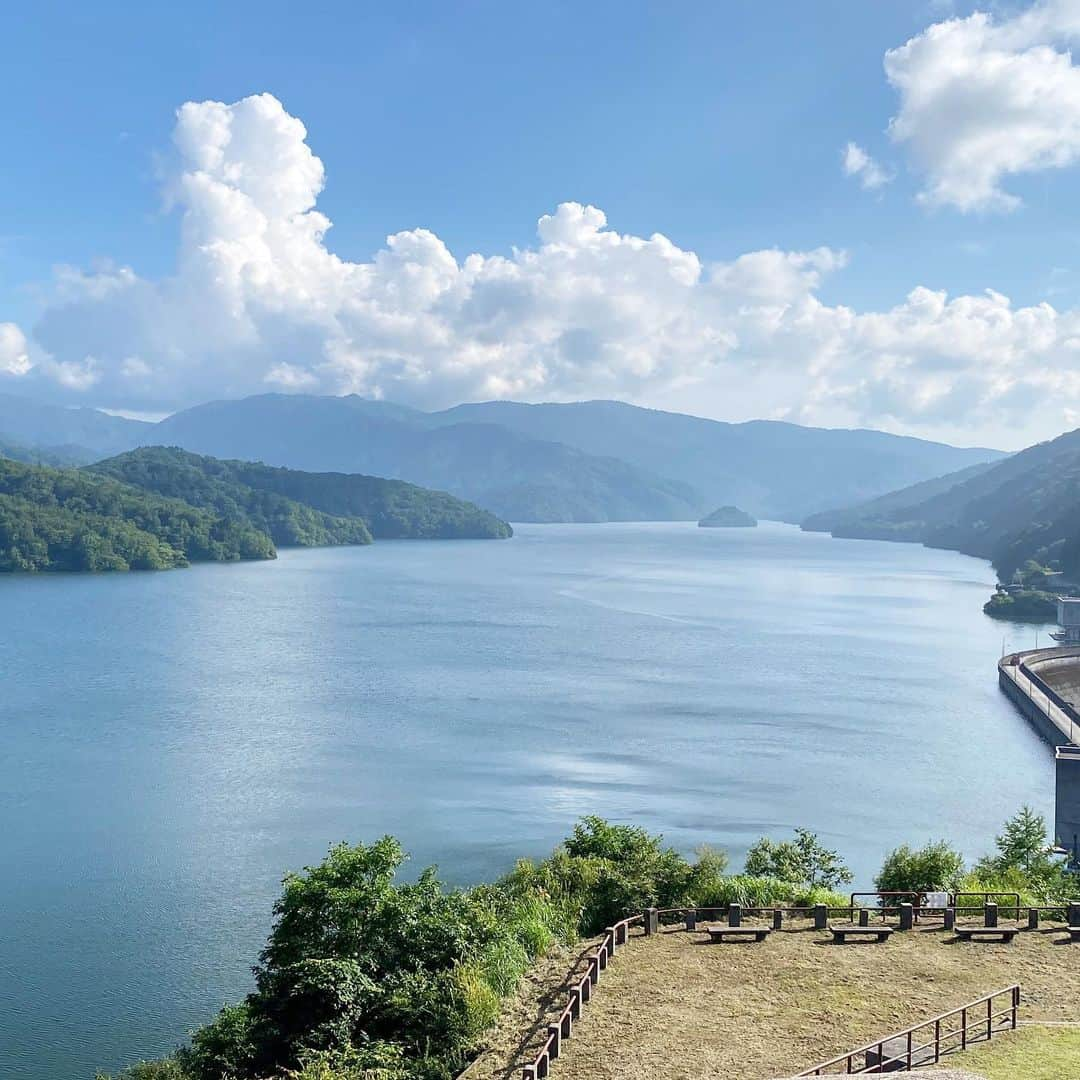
803	860
1023	848
935	867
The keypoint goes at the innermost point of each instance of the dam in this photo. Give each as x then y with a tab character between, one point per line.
1044	684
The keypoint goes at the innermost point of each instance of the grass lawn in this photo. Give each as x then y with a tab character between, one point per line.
675	1007
1034	1053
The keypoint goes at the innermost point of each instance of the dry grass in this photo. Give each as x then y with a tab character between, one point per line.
675	1007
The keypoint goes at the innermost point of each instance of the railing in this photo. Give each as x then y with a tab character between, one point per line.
580	994
975	1021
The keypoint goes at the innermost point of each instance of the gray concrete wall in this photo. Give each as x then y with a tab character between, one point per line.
1042	685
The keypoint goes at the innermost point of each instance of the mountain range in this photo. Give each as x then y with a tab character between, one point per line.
1024	507
585	461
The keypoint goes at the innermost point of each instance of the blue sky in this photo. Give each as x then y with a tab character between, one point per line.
720	126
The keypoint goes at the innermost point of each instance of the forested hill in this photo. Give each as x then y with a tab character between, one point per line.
1025	507
304	508
212	485
64	519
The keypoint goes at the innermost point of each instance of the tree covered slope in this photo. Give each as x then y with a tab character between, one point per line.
1025	507
64	519
304	508
213	485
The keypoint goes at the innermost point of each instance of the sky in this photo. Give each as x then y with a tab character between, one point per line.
842	214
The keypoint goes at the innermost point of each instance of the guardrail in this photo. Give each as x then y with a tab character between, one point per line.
651	919
580	995
875	1059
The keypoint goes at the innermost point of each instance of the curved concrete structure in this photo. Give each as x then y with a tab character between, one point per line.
1044	684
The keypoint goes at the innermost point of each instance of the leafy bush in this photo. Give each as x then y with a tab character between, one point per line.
935	867
803	860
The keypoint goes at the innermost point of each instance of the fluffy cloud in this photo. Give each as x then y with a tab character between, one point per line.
981	100
14	351
857	162
258	302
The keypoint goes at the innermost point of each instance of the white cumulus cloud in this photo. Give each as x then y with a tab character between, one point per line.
858	163
983	99
14	351
258	302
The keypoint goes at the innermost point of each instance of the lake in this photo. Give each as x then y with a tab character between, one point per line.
174	742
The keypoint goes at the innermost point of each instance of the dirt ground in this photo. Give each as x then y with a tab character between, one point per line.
677	1007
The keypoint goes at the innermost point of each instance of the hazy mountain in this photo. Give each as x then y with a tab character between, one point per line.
589	461
1025	507
300	508
57	456
80	433
841	522
519	478
772	469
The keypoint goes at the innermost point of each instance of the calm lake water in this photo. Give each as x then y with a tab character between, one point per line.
173	742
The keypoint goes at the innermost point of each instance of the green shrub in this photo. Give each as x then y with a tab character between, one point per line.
166	1069
803	860
934	867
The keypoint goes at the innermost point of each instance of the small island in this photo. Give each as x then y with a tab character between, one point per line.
1025	605
728	517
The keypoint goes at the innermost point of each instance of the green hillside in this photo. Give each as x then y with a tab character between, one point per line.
1026	507
213	485
305	508
64	519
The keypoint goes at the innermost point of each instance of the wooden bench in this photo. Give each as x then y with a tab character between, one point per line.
842	933
1074	933
758	933
971	933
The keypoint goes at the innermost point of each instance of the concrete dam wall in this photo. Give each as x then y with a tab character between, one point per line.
1044	685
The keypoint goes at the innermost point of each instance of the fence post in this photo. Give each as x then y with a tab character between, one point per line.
864	916
567	1025
528	1073
778	918
821	916
1015	1004
594	970
950	918
575	1003
963	1028
691	919
652	921
1033	918
586	986
555	1033
1074	912
734	915
990	917
907	915
610	933
602	957
937	1041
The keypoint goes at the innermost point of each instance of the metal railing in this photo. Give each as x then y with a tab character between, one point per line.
977	1019
580	994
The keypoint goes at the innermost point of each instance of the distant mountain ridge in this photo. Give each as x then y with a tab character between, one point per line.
586	461
1025	507
772	469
